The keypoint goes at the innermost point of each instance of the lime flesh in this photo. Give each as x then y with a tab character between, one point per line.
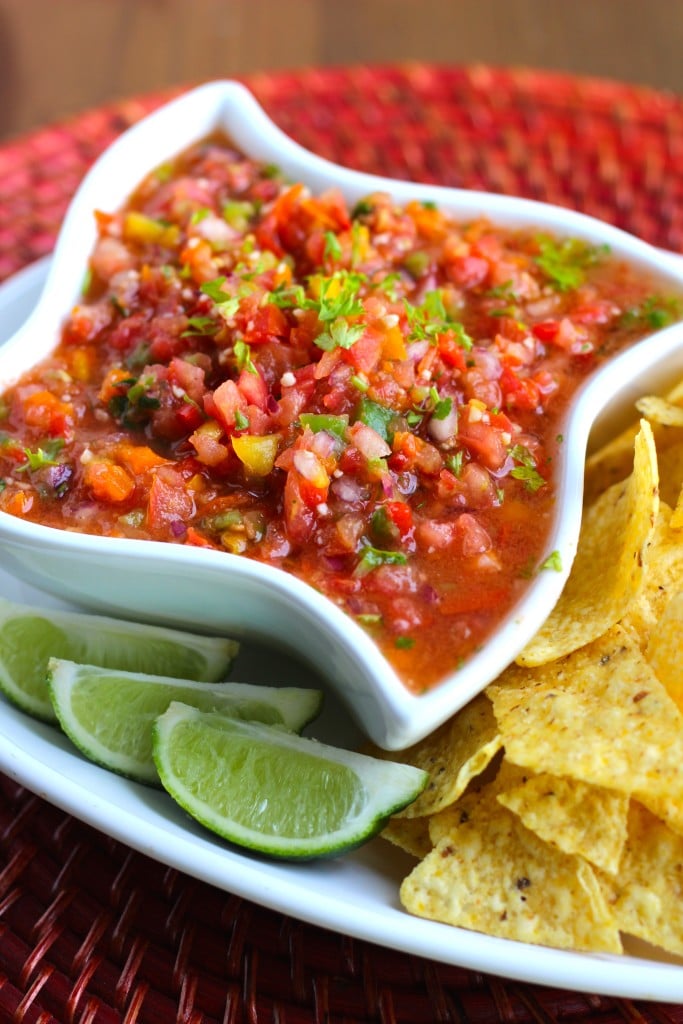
29	637
109	714
275	792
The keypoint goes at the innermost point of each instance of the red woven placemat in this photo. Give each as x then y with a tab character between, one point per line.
94	933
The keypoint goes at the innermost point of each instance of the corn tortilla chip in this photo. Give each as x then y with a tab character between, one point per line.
608	569
601	716
574	816
665	649
676	522
659	410
647	894
455	753
410	835
671	474
663	561
490	874
613	461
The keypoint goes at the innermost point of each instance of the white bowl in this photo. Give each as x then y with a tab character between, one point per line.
213	591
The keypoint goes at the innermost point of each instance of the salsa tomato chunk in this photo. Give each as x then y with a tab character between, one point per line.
369	397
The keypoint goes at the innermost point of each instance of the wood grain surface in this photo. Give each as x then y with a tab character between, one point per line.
59	57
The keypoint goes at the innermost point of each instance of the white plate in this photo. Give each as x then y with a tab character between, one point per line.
356	895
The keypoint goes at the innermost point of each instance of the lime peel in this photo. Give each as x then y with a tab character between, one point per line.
30	636
109	714
275	792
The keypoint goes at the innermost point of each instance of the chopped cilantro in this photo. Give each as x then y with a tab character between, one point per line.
506	293
243	356
526	470
454	463
288	297
372	558
362	208
564	262
200	325
226	305
654	311
199	215
404	643
340	335
379	417
241	421
339	296
430	319
441	406
333	250
42	457
553	561
133	407
388	285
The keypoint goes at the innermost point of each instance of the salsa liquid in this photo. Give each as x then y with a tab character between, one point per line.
369	398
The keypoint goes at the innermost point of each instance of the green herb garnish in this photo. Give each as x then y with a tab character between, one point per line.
372	558
42	456
564	262
404	643
340	334
243	356
526	469
379	417
553	561
333	250
654	311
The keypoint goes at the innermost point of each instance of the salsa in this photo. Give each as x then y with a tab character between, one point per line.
368	397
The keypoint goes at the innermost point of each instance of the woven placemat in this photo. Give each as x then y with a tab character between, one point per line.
94	933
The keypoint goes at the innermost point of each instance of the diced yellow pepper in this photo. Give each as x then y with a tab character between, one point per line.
138	227
256	452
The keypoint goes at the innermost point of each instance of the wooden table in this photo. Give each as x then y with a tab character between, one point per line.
59	57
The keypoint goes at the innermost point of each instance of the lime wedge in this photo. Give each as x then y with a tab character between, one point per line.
30	636
275	792
109	714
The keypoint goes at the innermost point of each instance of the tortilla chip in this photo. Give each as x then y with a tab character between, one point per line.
458	751
660	410
608	569
663	560
645	897
671	474
410	835
490	874
600	716
589	821
665	649
676	522
613	461
609	465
